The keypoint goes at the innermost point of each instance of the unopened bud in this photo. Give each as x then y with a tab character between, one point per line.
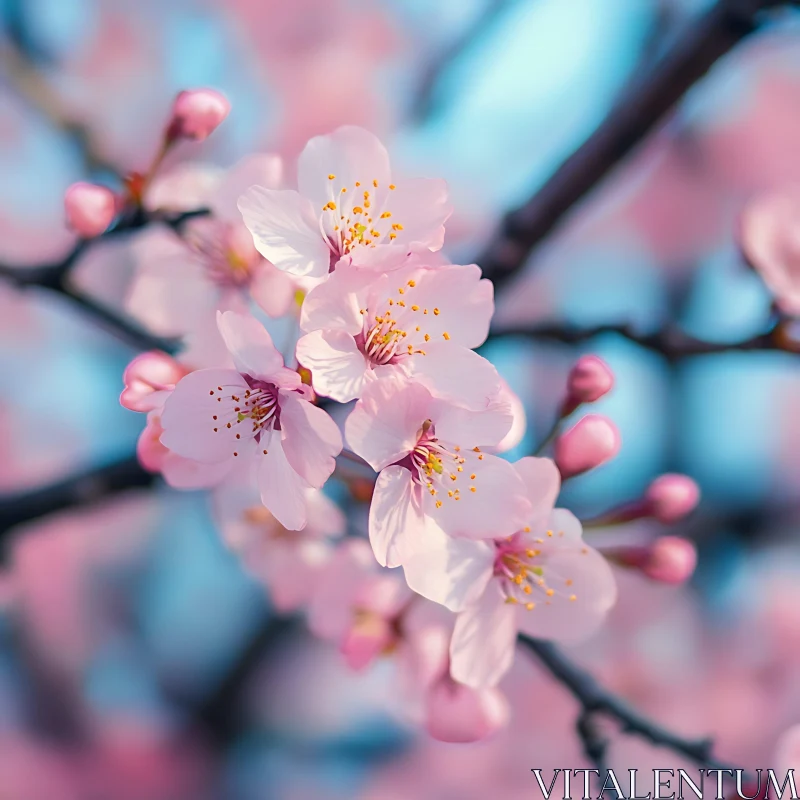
196	114
670	559
591	442
671	497
589	379
90	208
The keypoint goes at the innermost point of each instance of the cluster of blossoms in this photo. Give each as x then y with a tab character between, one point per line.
348	271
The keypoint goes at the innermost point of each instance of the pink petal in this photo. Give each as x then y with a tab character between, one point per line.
188	416
283	491
338	368
259	169
463	302
449	571
466	428
456	374
482	647
385	424
285	231
573	570
542	484
461	714
497	508
249	344
394	519
350	154
183	473
336	303
311	439
273	290
330	613
147	377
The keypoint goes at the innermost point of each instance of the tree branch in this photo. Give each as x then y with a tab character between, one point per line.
638	112
670	342
55	277
77	490
595	700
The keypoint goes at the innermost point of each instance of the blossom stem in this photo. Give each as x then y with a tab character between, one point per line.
595	700
633	118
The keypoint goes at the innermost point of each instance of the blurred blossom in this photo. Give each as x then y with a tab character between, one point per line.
90	208
196	114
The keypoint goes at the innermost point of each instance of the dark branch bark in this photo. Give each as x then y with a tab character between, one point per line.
635	116
55	277
595	700
670	342
77	490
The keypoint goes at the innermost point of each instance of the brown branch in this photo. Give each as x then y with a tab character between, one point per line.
670	342
595	700
635	116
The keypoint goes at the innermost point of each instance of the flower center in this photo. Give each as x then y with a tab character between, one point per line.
526	577
357	216
440	470
399	329
215	243
257	405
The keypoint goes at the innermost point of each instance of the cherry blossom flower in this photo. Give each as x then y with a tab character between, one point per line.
287	563
543	580
182	280
414	322
432	469
357	605
348	204
258	411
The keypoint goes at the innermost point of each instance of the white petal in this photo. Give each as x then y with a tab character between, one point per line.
311	439
283	491
482	647
452	572
456	374
393	516
351	155
249	344
384	425
338	367
285	231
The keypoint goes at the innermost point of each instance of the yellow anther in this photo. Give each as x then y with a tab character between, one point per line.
438	504
518	580
375	183
331	177
527	529
412	284
460	469
401	303
436	312
550	592
472	477
358	210
331	205
415	308
446	336
527	589
401	290
530	606
392	236
573	597
427	337
550	533
386	215
473	489
344	189
358	183
568	581
476	449
453	477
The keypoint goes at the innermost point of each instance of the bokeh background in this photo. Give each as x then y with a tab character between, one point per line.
120	620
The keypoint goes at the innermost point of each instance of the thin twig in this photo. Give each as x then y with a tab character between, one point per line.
595	700
77	490
56	277
670	341
637	113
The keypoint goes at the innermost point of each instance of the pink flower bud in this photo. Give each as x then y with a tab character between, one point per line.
670	559
460	714
196	114
588	381
671	497
90	208
591	442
